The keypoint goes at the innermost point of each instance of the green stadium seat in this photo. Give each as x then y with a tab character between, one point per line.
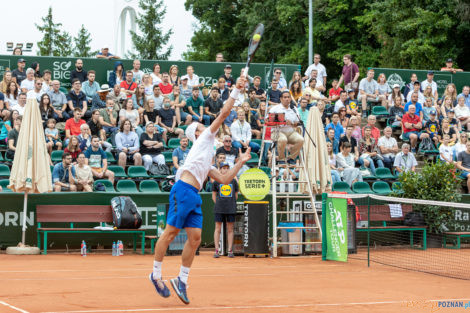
254	159
258	141
52	168
342	187
384	173
56	156
380	111
397	188
7	159
368	177
361	187
4	183
1	157
64	90
107	184
183	127
149	186
168	157
126	185
4	170
267	170
110	157
118	171
137	171
173	143
381	188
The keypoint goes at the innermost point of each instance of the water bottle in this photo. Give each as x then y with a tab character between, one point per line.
120	248
83	248
114	249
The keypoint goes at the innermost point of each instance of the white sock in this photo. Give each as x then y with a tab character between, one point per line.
157	270
184	273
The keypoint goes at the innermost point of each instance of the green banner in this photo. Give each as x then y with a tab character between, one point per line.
336	229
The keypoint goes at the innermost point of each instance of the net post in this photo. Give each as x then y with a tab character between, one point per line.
368	231
324	210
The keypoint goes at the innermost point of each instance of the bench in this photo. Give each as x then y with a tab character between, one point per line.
79	214
381	213
457	236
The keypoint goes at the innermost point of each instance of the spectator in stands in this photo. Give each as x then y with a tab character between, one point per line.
427	108
166	87
345	164
343	118
447	130
445	151
52	136
128	86
63	175
223	90
428	94
330	138
117	96
219	159
313	92
388	147
323	113
462	112
147	82
411	126
252	100
13	138
84	175
335	176
463	164
139	98
46	109
320	68
318	82
76	99
303	111
11	93
451	92
286	134
186	91
371	120
395	93
453	121
241	133
274	94
231	154
368	151
261	113
116	76
384	89
260	93
446	107
21	105
72	125
178	103
156	75
58	102
335	91
36	92
351	104
97	159
460	146
405	160
108	117
219	57
369	91
127	143
137	74
213	104
229	81
341	102
105	54
349	73
450	67
432	127
195	106
90	87
167	120
193	79
96	129
414	102
430	82
46	82
282	84
151	115
85	137
128	113
78	73
174	78
417	89
157	97
336	125
27	84
296	90
151	146
179	154
73	147
410	86
396	112
466	95
19	74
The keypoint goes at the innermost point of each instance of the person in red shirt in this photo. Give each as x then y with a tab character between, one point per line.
165	86
128	86
72	125
411	126
375	131
334	92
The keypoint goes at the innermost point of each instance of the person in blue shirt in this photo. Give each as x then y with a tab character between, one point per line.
330	137
97	159
179	154
336	125
127	144
414	101
63	174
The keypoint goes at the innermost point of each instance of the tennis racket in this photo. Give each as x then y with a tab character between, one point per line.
253	46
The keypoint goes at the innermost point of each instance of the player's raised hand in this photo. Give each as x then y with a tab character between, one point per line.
244	157
241	82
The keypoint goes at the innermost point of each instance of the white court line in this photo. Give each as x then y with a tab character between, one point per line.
13	307
247	307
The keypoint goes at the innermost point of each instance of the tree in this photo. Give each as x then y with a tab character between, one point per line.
82	43
55	41
150	43
64	45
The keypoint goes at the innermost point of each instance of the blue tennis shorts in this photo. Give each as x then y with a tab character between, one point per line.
185	206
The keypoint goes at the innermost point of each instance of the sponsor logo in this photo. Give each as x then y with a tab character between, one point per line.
395	79
61	70
8	219
226	190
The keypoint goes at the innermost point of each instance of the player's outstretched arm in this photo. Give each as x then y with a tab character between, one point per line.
225	112
227	177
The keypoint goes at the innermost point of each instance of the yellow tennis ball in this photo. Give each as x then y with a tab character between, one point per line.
256	37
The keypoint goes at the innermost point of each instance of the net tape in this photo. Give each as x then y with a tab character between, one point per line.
401	200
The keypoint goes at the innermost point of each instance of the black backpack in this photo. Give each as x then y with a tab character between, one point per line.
414	219
125	214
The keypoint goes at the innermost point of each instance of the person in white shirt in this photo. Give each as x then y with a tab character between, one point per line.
286	134
241	133
341	102
282	81
36	92
317	66
461	145
416	88
137	73
21	105
405	160
46	81
388	147
462	113
369	91
445	151
430	82
193	79
28	83
319	82
185	201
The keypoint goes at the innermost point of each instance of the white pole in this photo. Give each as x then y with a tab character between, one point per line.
310	32
25	208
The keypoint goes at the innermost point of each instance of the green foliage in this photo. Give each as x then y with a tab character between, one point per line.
150	43
55	42
82	44
437	182
64	45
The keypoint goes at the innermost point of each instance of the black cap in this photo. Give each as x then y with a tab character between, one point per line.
430	72
228	66
21	60
449	60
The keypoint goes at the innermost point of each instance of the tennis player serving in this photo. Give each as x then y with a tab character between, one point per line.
185	202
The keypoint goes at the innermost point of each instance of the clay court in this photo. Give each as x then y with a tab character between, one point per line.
102	283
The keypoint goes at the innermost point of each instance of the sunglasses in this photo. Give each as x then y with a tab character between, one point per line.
227	140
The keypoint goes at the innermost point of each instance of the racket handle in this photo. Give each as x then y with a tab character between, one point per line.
245	71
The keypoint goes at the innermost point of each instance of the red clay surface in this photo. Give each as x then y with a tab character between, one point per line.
102	283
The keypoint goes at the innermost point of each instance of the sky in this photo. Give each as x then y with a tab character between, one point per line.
97	16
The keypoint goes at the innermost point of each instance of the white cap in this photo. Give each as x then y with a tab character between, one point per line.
191	131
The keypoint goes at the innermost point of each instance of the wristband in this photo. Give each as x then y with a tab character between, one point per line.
235	93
